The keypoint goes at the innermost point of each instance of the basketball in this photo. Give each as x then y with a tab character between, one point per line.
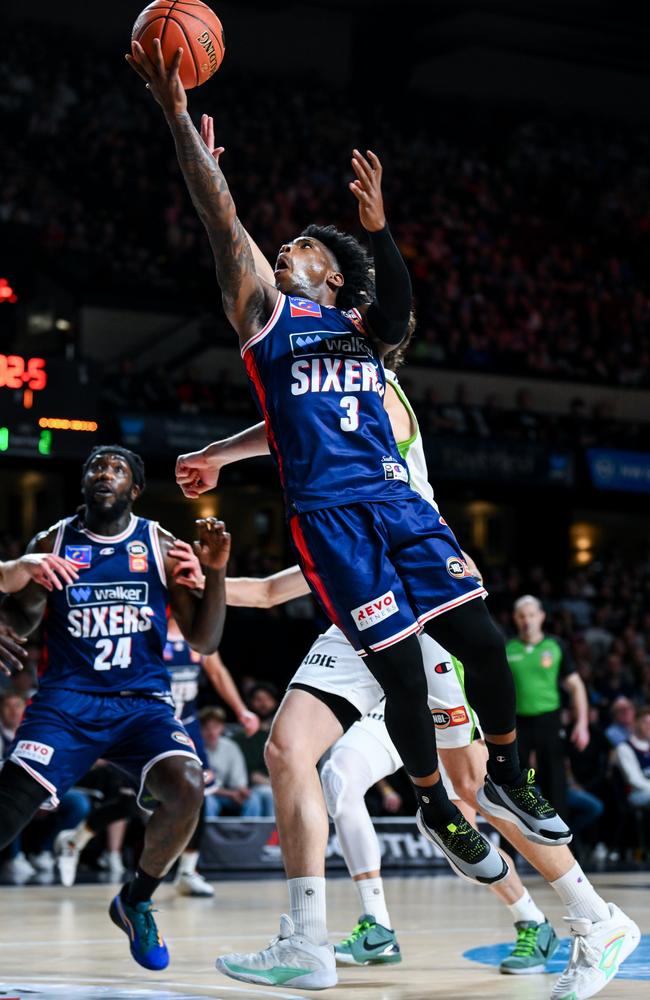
189	24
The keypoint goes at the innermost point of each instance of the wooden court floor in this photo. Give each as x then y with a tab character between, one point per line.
59	943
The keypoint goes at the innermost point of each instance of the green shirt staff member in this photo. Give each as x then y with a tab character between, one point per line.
541	666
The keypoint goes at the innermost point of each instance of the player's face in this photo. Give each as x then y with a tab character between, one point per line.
529	620
303	267
11	712
108	486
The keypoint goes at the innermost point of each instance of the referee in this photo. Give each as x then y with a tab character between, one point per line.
541	665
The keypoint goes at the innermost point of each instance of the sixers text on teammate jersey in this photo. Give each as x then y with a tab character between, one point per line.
105	690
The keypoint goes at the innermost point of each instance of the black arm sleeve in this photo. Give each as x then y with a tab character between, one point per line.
388	314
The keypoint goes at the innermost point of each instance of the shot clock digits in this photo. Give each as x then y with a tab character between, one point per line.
17	372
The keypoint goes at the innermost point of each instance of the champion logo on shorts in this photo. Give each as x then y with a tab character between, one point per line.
375	611
34	751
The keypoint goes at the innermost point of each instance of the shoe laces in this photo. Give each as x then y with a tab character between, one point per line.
147	927
464	840
526	942
582	953
358	931
530	798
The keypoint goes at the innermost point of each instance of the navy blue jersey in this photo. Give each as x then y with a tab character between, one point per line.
185	667
106	632
320	385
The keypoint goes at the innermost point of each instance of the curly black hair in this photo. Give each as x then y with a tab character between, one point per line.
353	261
134	461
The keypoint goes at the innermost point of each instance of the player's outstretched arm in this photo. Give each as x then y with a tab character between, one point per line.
198	471
267	591
200	616
247	300
387	316
224	685
41	567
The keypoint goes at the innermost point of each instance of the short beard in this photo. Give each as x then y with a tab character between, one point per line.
110	515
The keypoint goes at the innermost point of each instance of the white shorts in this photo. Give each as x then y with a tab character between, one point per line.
332	666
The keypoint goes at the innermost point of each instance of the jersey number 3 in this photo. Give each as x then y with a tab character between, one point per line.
350	421
113	654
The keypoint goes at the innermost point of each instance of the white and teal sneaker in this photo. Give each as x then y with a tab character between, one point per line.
369	943
597	951
289	960
536	944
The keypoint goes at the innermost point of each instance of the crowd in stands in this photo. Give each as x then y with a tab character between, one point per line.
527	238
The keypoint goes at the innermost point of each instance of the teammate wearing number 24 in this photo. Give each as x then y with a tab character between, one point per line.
105	691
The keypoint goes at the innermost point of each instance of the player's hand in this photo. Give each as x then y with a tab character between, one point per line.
580	736
164	82
12	653
48	570
391	801
472	567
249	722
367	190
213	545
196	473
186	569
207	134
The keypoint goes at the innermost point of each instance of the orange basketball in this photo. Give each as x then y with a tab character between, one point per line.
189	24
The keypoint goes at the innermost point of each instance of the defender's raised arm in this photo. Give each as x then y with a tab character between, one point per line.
247	300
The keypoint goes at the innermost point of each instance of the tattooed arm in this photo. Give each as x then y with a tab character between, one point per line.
247	300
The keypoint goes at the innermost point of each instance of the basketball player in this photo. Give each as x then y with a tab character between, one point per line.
376	555
105	692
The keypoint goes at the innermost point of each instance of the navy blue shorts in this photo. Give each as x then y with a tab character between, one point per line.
382	570
64	732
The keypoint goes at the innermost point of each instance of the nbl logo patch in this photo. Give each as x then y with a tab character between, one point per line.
457	568
445	718
184	739
138	557
375	611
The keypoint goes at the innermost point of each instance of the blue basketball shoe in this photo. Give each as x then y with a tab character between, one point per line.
147	946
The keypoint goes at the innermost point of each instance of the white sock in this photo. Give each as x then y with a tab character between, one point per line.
188	862
82	835
307	908
373	901
526	909
579	896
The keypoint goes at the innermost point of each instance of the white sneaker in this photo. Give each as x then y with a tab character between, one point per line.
598	949
18	870
193	884
289	960
66	855
43	862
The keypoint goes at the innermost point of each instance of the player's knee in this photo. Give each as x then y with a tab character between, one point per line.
284	754
343	784
182	786
333	780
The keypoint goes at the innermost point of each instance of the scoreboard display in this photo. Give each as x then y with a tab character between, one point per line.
49	407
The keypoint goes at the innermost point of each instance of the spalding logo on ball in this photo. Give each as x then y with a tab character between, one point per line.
186	24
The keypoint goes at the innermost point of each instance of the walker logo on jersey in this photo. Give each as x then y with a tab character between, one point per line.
79	555
457	568
444	718
107	593
138	553
393	470
323	343
546	659
443	668
34	751
184	739
375	611
304	307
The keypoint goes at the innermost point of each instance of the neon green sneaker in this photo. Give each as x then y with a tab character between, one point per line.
536	944
368	944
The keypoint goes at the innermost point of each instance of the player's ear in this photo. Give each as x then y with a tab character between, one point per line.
135	493
335	279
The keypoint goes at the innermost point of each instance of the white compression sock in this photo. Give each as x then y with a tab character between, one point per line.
371	894
188	862
307	908
526	909
82	835
579	896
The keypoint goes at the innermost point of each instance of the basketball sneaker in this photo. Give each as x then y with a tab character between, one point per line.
470	855
147	946
536	944
289	960
369	943
193	884
66	856
17	870
525	806
597	951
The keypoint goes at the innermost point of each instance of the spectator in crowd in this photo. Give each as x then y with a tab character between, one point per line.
622	725
541	665
12	706
230	778
263	699
633	761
